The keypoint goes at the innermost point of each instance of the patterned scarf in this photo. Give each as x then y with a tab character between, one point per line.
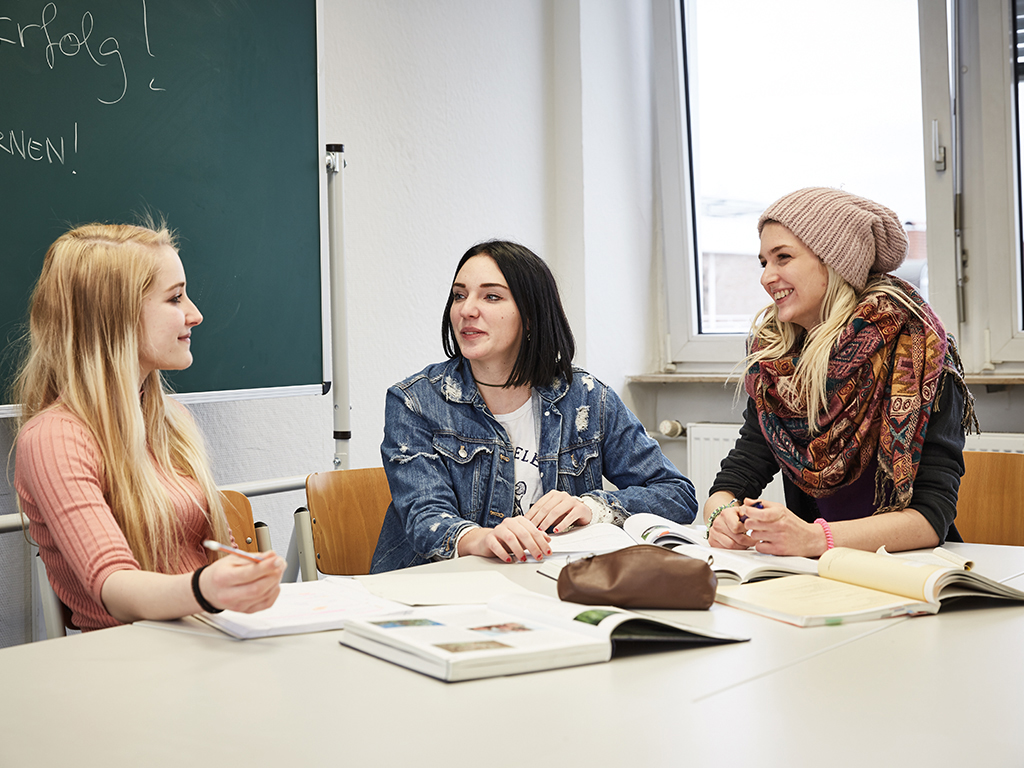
882	382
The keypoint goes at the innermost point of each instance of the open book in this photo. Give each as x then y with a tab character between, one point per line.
590	539
739	566
641	528
730	566
513	633
305	606
647	528
859	586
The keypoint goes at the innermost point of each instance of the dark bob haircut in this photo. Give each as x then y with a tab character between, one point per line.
548	346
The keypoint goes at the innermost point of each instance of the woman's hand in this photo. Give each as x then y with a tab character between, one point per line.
559	510
727	531
511	540
775	530
237	584
231	582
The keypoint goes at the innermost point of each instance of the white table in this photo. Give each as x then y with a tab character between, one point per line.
936	690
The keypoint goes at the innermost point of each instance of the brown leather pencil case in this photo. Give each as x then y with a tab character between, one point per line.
644	576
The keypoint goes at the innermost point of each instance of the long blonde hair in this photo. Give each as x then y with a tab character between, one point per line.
776	339
83	355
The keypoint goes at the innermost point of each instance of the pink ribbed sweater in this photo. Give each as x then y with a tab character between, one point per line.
59	479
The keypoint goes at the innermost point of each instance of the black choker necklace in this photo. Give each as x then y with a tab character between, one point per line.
485	384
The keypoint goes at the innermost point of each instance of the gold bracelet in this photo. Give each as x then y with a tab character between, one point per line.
715	514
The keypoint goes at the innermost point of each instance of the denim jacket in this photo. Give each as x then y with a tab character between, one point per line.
449	461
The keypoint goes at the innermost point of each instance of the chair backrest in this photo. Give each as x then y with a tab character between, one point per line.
346	510
56	616
239	513
988	508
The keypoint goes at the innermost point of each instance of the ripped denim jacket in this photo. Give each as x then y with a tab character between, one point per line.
449	462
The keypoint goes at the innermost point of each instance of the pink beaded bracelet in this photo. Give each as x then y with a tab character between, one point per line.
828	532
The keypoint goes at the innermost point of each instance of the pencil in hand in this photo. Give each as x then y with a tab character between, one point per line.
216	546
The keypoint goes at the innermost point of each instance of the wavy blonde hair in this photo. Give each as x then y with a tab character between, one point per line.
778	339
83	355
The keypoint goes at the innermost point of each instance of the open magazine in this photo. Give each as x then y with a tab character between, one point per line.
854	585
730	566
512	634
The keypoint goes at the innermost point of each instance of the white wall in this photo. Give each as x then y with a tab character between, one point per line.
444	109
618	187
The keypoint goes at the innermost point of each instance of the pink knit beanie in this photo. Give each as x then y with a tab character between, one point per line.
851	234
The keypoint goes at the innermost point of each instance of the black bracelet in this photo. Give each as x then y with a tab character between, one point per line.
203	602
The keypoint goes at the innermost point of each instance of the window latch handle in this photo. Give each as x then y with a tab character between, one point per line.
938	151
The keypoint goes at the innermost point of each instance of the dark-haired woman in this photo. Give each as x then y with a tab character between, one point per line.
504	441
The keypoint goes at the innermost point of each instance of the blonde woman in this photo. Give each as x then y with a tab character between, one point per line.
110	472
855	391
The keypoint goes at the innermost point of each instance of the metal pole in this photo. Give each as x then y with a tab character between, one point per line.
266	487
339	319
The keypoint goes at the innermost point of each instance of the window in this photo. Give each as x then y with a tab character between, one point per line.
982	277
1018	76
771	97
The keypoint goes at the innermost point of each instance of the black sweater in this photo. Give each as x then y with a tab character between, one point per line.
751	465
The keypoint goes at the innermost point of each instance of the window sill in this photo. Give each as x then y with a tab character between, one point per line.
680	378
994	379
972	379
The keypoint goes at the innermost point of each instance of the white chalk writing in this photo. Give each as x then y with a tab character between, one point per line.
23	145
52	39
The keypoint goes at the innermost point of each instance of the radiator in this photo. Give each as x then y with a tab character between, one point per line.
707	444
1003	442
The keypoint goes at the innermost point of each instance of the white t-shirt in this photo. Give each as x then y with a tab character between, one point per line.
521	426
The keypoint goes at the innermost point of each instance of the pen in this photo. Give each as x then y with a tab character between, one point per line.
216	546
758	504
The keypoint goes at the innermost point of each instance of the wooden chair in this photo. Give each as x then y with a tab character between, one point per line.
249	536
346	512
988	509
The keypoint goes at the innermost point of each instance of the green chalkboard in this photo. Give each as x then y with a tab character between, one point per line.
202	111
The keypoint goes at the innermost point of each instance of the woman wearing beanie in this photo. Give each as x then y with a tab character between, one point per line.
855	391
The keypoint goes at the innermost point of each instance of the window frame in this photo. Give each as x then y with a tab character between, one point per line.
683	346
976	283
992	339
941	184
